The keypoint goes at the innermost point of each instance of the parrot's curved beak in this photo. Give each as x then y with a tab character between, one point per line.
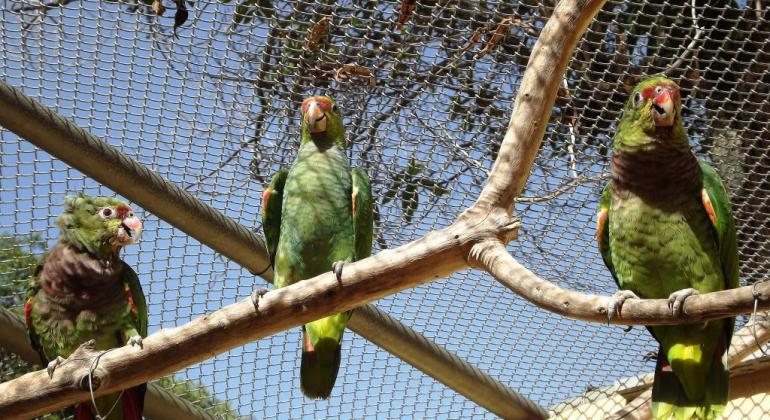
663	111
315	118
130	230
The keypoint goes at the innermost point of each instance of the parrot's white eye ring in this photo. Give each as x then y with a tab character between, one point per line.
638	99
106	213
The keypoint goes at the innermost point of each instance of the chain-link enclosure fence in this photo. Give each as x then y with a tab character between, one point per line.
426	89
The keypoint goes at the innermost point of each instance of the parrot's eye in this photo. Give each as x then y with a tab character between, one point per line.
106	213
130	214
659	90
638	99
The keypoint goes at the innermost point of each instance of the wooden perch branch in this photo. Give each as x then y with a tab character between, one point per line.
494	257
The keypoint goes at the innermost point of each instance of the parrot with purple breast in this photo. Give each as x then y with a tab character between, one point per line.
316	216
82	290
666	230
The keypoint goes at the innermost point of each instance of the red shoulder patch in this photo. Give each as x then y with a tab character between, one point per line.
28	313
601	221
130	299
704	196
265	197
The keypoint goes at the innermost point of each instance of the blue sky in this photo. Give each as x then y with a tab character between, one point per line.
154	99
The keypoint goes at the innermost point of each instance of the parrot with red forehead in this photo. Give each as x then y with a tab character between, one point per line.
666	230
82	290
316	216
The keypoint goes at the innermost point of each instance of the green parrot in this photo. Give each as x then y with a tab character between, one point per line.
665	229
82	290
316	216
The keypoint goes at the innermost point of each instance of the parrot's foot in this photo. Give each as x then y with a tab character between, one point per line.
337	268
616	302
136	341
52	366
256	296
676	300
652	355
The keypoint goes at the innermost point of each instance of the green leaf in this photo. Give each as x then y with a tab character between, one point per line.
409	201
413	168
247	10
438	190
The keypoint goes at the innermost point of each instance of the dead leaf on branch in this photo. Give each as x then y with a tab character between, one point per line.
475	37
502	29
354	73
180	17
158	8
317	33
405	12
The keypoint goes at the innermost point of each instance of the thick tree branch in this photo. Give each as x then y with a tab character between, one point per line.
492	256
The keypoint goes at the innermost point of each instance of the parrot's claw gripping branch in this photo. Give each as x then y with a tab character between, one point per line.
676	300
615	303
256	296
136	341
337	268
52	365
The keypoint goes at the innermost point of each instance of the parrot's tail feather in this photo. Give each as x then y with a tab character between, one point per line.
320	364
83	412
670	401
133	402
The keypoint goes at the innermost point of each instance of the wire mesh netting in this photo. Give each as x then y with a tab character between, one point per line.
426	89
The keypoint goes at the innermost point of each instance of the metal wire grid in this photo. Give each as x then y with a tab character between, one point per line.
215	111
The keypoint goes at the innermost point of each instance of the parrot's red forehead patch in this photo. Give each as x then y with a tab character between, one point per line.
122	211
325	103
649	92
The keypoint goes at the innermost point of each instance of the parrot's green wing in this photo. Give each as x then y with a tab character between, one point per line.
33	288
602	233
717	205
136	299
272	202
362	213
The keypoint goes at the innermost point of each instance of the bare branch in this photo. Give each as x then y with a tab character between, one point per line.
43	7
563	189
492	256
573	131
689	49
